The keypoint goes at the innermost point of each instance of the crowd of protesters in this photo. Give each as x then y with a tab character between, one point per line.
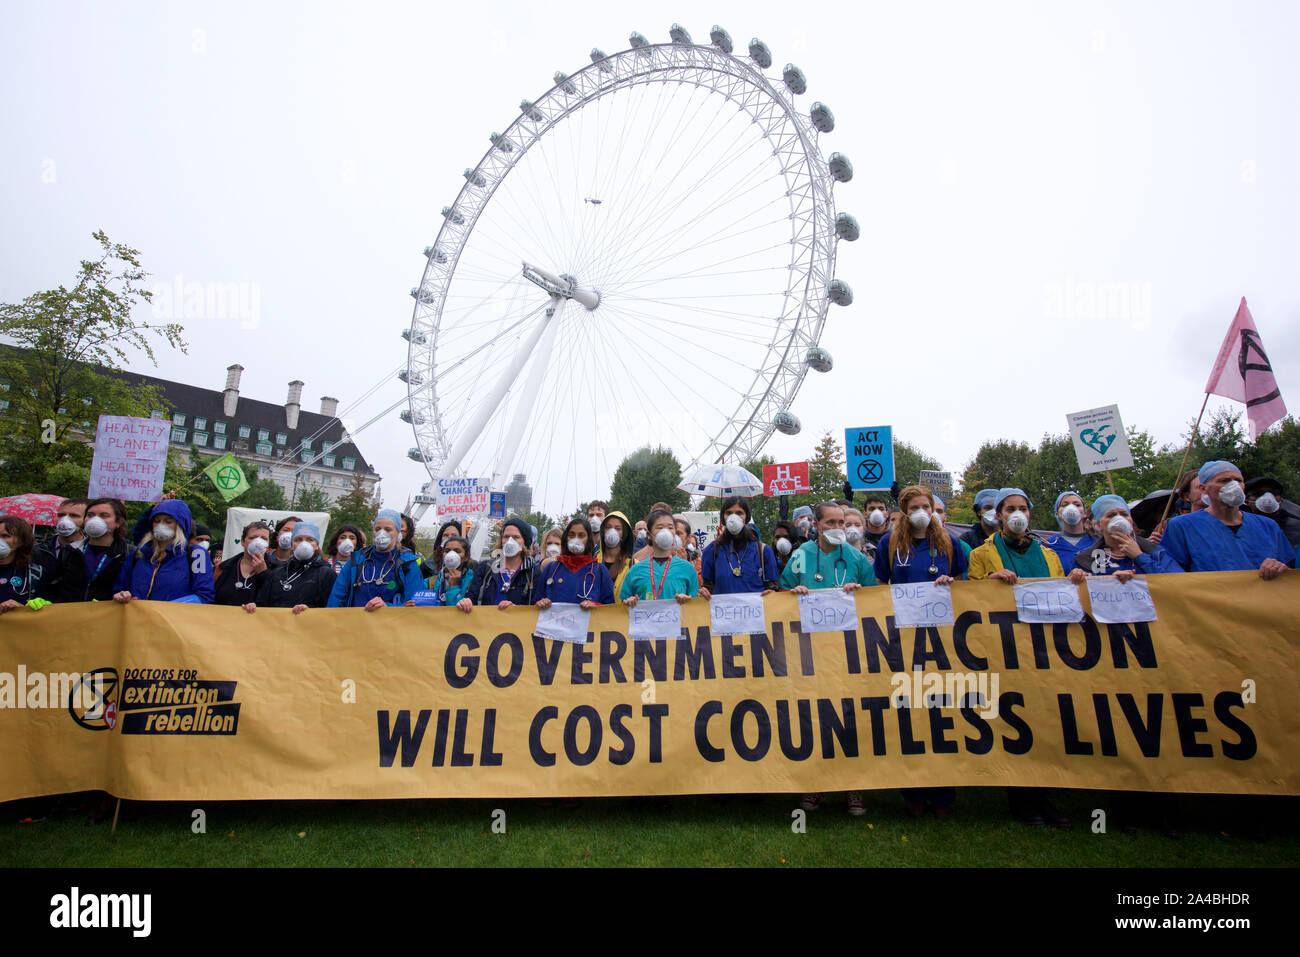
1219	521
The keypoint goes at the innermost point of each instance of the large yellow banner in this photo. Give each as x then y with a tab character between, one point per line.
155	701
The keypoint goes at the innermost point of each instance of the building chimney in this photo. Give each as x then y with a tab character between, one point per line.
293	404
329	406
231	395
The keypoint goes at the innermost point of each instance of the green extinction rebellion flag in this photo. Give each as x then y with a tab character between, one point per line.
228	476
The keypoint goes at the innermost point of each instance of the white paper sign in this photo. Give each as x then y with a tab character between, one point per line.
918	604
1115	602
563	621
1100	442
830	609
737	614
1048	602
130	458
464	496
655	619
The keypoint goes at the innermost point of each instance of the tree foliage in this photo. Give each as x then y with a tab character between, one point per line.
58	382
643	478
356	507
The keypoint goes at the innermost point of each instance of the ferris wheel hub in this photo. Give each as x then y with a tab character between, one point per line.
562	285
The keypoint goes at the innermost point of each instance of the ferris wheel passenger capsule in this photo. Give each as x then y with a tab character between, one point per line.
846	227
451	213
794	79
638	41
819	359
503	143
410	378
419	338
475	177
598	57
759	53
721	39
839	292
678	34
405	416
822	117
533	113
416	455
840	167
422	295
787	423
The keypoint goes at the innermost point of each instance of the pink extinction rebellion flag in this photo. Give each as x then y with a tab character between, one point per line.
1242	372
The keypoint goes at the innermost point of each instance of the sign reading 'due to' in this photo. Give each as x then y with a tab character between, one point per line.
464	496
869	456
130	458
789	478
1100	442
920	604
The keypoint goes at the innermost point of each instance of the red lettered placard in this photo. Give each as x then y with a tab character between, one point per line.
788	479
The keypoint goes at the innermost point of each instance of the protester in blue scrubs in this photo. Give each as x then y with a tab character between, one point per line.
1073	536
737	561
663	574
381	574
1223	537
575	576
918	548
1121	552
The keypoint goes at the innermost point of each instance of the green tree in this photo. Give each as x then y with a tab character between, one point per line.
909	461
643	478
58	382
355	507
1276	454
825	474
311	498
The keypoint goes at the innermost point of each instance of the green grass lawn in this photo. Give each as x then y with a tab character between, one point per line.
736	830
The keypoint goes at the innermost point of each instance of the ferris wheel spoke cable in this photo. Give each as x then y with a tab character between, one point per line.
651	338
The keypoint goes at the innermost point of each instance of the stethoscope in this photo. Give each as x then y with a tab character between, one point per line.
368	577
588	579
839	560
905	562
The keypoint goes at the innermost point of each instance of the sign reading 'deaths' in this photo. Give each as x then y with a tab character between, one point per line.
464	496
130	458
1100	442
869	455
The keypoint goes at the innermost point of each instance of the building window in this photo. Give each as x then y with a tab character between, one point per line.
305	457
263	448
200	423
329	461
263	435
218	441
327	445
349	463
178	435
281	438
219	428
178	418
201	438
155	414
245	431
306	443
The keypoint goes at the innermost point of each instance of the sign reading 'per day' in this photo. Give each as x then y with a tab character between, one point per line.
130	458
869	452
464	496
788	479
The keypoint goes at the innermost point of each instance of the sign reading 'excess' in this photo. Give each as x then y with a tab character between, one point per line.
869	452
790	478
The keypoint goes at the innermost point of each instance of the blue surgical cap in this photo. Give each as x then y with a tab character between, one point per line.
985	496
308	528
1105	503
1006	493
1211	469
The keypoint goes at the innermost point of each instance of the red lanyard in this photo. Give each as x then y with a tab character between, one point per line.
654	592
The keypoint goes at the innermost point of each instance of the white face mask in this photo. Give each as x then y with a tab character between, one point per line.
803	524
553	549
96	527
677	541
383	540
577	546
783	546
1071	515
66	527
204	545
451	560
1232	494
258	547
919	519
593	523
612	537
937	518
345	547
5	550
833	536
286	539
303	551
1205	499
1266	503
1119	525
163	532
735	523
511	547
1018	522
853	533
665	539
989	516
877	518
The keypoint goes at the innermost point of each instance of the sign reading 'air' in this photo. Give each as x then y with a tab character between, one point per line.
869	455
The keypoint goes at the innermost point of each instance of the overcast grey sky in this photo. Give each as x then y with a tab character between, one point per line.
1012	161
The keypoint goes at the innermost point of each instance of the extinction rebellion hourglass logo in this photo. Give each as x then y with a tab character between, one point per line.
154	701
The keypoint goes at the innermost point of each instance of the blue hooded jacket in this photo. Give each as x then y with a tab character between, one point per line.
184	575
